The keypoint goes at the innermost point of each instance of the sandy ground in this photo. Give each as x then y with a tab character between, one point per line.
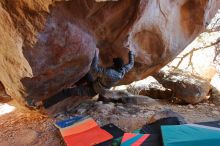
23	127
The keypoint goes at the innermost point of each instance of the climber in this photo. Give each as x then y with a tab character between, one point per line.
100	80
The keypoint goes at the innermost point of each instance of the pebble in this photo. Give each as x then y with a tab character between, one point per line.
109	106
205	103
100	102
149	113
191	106
133	116
81	111
212	104
103	108
119	106
111	103
189	110
215	112
125	115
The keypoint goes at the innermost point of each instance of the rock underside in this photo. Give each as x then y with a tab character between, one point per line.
48	45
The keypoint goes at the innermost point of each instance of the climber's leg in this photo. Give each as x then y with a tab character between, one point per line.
86	90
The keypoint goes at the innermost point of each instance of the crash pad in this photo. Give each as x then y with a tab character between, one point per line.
89	137
153	140
211	124
114	131
83	132
68	122
133	139
154	128
190	135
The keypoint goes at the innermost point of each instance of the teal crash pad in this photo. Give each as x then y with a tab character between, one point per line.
190	135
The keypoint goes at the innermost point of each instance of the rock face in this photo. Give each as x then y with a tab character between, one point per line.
47	45
188	88
4	97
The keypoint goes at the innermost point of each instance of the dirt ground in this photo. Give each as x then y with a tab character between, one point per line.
23	127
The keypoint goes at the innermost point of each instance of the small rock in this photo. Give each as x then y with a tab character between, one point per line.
100	102
109	106
133	116
105	108
120	104
212	104
81	111
215	108
111	103
189	110
138	100
215	95
191	106
105	112
166	114
120	107
125	114
205	103
149	113
215	112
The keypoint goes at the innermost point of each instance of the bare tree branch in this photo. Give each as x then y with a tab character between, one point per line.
190	54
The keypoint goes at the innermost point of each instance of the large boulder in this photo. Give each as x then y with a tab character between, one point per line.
186	87
48	45
215	92
166	114
150	87
215	96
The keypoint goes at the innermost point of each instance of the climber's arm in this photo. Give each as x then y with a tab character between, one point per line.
130	65
96	70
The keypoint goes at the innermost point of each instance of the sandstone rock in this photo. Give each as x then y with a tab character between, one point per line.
99	102
189	88
157	93
150	87
166	114
49	45
191	106
215	96
215	81
215	92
